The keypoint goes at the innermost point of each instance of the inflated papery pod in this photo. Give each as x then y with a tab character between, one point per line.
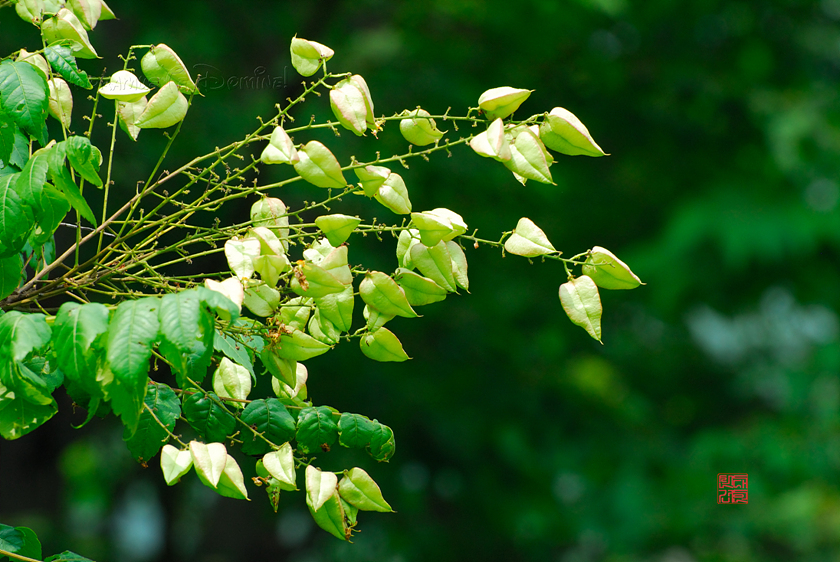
351	105
337	228
167	107
88	11
438	224
608	271
528	240
319	166
280	149
582	303
307	56
231	288
419	128
498	103
529	159
124	86
270	212
359	489
61	101
394	195
563	132
65	25
35	60
493	142
107	13
161	65
129	113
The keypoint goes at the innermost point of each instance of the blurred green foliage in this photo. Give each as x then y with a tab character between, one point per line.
519	438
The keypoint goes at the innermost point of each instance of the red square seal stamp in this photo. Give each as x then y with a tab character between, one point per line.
732	488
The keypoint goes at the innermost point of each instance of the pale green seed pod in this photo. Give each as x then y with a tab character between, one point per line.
308	56
563	132
502	102
419	128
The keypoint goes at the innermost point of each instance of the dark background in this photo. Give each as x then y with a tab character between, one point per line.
519	437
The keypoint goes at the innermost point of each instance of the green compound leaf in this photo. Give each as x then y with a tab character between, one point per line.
21	541
64	181
207	417
270	418
63	62
318	166
383	345
174	464
355	430
85	158
134	327
53	207
382	444
22	334
15	217
582	304
187	335
75	330
360	490
19	416
384	294
67	556
24	97
10	273
419	290
133	330
608	271
316	429
163	408
528	240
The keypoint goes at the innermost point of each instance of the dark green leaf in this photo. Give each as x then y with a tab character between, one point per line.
382	444
187	335
19	416
10	270
75	330
30	385
30	182
212	422
7	137
131	333
53	208
20	150
64	181
163	408
316	429
234	350
31	545
67	556
270	418
355	430
11	540
63	62
24	97
15	217
84	157
21	334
